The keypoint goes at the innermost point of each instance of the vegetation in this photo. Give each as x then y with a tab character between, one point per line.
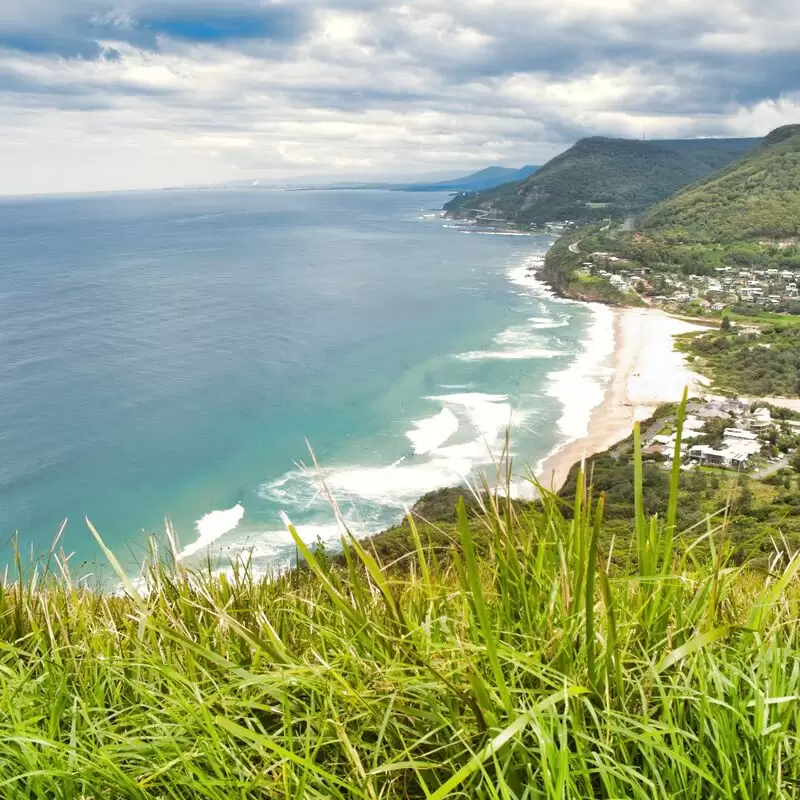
600	178
562	269
486	178
668	252
759	513
538	669
762	364
755	198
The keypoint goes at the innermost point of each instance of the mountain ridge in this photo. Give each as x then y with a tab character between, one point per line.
601	177
755	197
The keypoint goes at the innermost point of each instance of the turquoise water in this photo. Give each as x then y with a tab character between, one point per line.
170	353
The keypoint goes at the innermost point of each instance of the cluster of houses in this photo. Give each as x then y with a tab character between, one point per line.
559	228
729	285
742	441
764	287
618	272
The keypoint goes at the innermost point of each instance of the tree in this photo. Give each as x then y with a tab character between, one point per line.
745	500
725	325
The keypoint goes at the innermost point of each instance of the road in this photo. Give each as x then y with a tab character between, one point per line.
771	469
573	248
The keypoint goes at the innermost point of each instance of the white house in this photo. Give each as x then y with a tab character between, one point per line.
760	419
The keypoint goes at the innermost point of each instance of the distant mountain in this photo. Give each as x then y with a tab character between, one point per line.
755	198
600	177
487	178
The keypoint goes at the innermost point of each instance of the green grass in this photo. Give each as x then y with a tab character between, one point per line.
765	318
521	665
764	365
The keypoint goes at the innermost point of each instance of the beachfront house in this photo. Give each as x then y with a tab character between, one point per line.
730	458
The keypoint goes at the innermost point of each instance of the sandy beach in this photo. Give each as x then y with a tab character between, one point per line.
648	371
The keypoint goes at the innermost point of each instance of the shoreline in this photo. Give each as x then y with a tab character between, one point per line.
647	371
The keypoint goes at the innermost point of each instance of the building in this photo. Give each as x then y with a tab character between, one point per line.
737	434
729	457
759	420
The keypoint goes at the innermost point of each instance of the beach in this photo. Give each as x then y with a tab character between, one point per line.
647	371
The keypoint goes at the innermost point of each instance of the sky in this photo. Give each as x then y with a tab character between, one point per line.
100	95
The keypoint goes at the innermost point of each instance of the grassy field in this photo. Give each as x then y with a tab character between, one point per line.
765	318
518	662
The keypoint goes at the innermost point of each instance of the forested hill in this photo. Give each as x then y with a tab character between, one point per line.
599	177
486	178
755	198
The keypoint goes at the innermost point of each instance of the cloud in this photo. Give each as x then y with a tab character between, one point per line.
100	94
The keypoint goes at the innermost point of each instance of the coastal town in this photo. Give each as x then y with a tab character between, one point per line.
727	433
764	288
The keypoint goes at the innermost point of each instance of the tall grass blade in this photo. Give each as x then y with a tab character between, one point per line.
502	738
479	603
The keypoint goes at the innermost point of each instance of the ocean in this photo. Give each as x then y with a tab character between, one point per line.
176	353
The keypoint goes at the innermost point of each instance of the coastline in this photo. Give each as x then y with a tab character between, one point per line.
647	371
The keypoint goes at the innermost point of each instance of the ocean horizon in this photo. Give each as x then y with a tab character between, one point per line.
175	353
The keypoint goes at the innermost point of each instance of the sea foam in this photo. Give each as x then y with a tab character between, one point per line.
212	526
478	420
582	385
520	342
430	433
519	354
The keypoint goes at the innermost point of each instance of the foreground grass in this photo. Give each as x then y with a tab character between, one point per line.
532	670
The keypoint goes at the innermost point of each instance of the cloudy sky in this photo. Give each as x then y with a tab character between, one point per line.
101	94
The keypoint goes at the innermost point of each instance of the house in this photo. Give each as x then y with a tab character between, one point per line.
693	422
760	420
713	412
737	406
708	455
728	457
737	434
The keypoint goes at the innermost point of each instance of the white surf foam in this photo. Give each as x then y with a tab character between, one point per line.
520	342
479	232
525	276
543	323
480	420
433	432
271	552
581	386
523	353
212	526
489	414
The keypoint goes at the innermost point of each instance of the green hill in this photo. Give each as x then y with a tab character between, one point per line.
600	177
486	178
755	198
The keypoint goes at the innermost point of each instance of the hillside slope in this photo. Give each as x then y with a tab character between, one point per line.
487	178
599	177
756	197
